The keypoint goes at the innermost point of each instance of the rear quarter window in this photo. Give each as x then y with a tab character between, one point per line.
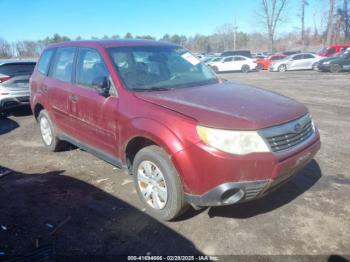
16	69
44	61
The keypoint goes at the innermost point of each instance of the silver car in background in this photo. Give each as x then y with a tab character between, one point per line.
302	61
14	83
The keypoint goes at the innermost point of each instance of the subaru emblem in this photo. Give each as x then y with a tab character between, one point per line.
297	128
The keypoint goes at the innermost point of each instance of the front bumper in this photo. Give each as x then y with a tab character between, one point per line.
215	178
272	69
323	67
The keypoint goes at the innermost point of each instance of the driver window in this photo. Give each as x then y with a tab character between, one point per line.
229	59
90	66
298	57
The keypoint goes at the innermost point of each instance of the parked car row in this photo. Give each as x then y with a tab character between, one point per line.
14	74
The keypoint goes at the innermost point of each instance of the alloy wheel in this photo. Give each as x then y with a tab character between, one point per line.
152	184
46	131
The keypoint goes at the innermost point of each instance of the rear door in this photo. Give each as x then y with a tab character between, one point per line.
58	86
239	61
227	64
95	116
308	61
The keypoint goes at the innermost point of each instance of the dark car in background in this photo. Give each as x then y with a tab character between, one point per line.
245	53
336	64
14	83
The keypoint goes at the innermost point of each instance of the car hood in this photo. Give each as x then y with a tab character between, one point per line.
328	59
228	105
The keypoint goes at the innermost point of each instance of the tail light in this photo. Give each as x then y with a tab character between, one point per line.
4	78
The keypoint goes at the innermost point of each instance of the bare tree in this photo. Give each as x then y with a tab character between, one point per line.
272	11
330	23
346	20
5	49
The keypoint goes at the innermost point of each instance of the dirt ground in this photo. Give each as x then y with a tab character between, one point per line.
96	209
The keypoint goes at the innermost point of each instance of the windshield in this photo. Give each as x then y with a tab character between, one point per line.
143	68
345	54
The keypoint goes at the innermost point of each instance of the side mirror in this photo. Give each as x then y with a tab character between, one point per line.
102	85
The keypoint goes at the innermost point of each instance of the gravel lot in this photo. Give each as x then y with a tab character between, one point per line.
101	213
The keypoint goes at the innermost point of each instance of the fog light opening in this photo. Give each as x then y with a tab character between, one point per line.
232	196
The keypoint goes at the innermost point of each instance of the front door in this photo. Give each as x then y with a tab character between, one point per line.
296	62
96	116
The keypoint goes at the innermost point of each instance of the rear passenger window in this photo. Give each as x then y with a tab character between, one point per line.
44	62
90	67
239	58
63	65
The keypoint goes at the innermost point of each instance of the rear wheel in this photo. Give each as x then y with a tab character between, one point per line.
282	68
158	184
245	68
335	68
315	66
48	133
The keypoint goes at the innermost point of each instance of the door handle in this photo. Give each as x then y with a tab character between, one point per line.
73	98
45	88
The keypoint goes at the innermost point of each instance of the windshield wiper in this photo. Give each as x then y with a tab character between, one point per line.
151	89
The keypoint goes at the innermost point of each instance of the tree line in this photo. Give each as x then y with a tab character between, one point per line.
333	27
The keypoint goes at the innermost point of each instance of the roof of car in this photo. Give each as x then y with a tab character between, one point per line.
16	61
113	43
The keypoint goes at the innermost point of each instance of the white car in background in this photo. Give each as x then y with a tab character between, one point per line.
303	61
233	63
210	60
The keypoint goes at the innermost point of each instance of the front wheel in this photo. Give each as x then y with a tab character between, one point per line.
158	184
259	67
245	68
335	68
315	67
282	68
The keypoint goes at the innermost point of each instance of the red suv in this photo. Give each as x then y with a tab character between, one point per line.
154	110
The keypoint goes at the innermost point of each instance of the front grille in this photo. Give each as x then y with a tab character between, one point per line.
289	135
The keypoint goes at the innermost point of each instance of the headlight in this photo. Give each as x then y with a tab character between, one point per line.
233	142
326	63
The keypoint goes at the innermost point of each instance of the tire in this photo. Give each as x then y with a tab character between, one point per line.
315	66
169	205
335	68
215	69
245	69
48	133
282	68
259	67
